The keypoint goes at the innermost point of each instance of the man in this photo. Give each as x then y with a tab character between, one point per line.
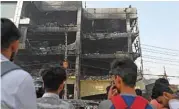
54	79
138	92
154	101
17	88
164	95
124	75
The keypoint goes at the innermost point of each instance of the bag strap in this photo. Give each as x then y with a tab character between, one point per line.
8	66
118	102
139	103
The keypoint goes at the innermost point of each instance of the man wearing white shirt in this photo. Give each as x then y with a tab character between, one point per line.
17	87
165	96
174	104
54	79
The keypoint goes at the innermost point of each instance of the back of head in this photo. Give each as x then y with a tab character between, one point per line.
162	81
53	77
138	92
159	89
126	69
9	33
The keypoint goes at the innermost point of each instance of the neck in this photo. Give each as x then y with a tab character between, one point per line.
55	92
128	90
6	53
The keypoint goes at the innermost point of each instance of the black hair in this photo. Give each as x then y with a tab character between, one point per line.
158	90
162	81
9	33
53	77
107	89
138	92
126	69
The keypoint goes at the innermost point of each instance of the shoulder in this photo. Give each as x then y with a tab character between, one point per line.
67	104
105	101
106	104
173	103
149	106
153	101
18	74
48	103
39	100
24	78
16	79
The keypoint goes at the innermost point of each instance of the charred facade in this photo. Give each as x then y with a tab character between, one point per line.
95	36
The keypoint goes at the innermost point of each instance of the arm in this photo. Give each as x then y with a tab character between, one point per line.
26	94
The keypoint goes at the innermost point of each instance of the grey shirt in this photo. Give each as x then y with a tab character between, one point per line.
106	104
17	90
52	101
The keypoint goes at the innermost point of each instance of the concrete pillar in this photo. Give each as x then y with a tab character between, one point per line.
128	28
24	33
23	30
78	54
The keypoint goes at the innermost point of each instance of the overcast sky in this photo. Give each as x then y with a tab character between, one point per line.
158	26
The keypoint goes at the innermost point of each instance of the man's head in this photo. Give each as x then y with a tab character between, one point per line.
10	36
162	94
124	73
138	92
54	79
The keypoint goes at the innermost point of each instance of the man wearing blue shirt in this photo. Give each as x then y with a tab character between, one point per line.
124	75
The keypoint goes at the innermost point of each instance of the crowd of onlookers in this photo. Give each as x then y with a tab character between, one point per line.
18	91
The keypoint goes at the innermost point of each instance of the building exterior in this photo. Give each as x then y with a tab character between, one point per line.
89	38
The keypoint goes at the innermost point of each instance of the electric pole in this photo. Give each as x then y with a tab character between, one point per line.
165	74
85	4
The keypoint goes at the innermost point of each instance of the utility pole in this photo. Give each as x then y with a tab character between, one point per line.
65	60
165	74
85	4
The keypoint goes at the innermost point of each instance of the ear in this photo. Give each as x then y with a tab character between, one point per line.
119	79
61	87
165	94
14	46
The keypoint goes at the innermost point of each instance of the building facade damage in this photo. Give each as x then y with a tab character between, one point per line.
95	37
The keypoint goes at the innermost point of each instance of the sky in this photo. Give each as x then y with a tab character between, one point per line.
158	26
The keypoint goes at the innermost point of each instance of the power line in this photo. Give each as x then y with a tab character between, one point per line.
160	63
160	59
154	67
159	52
160	47
161	75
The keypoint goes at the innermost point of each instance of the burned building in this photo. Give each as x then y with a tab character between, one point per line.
94	37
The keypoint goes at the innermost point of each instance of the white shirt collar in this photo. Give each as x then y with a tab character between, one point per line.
3	58
47	94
